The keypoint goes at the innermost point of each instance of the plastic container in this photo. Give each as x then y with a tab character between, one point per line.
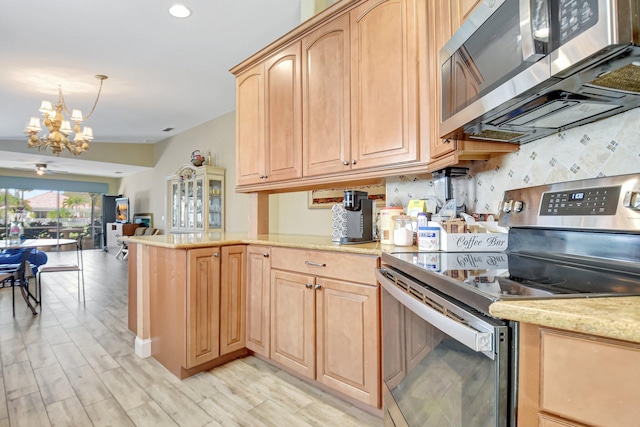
402	230
428	234
386	223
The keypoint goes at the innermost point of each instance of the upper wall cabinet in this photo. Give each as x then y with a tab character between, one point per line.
384	83
326	99
351	94
269	120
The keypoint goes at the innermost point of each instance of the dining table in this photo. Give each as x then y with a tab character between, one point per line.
30	244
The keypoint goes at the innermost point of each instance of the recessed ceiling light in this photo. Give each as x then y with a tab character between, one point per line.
179	11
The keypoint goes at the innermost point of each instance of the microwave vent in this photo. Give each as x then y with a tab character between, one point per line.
626	78
495	135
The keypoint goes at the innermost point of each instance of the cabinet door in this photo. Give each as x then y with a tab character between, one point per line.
250	140
203	302
461	11
293	321
348	339
440	17
283	115
325	98
258	299
232	299
384	83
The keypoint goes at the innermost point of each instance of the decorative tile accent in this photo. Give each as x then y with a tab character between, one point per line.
604	148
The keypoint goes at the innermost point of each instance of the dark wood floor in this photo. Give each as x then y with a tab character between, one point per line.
74	365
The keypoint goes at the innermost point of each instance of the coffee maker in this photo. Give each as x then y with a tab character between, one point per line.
359	210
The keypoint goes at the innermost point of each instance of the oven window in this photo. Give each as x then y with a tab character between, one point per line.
434	381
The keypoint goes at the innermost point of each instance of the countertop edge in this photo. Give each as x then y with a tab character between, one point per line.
363	249
610	317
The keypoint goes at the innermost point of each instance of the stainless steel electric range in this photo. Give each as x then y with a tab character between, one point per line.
447	361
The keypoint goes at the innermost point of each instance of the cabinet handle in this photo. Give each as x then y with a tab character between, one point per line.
353	162
315	264
317	287
346	163
266	255
309	285
446	141
217	255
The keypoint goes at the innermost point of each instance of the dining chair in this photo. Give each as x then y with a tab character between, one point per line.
78	267
16	275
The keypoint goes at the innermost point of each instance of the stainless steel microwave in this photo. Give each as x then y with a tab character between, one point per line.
519	70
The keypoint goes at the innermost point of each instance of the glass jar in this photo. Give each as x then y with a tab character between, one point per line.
402	230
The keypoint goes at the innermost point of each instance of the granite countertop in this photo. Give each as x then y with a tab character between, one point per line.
615	317
199	240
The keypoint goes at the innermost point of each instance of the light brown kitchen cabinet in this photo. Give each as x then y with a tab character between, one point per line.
258	309
461	10
269	119
325	319
384	83
573	379
203	297
232	298
250	133
326	126
185	308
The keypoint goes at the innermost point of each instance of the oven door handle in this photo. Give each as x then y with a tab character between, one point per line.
473	339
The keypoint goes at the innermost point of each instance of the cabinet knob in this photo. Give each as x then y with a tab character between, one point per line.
353	162
309	285
217	255
446	141
317	287
266	255
346	163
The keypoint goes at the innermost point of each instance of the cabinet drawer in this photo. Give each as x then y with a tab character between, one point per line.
350	267
588	380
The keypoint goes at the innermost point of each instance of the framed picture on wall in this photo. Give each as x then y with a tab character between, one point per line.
326	198
144	219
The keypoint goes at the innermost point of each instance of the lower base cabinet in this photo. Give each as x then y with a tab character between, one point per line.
190	292
325	319
568	379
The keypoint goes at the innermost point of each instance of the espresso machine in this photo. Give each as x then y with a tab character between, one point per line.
359	221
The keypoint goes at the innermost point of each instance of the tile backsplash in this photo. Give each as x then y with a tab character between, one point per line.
604	148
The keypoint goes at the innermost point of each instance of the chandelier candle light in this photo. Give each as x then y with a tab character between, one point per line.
59	128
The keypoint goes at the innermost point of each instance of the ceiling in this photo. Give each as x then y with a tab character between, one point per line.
164	72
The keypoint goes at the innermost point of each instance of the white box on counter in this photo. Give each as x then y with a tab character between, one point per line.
473	242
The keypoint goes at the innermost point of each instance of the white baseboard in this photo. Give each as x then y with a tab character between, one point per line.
143	348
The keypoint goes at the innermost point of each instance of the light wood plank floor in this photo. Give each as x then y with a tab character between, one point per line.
75	366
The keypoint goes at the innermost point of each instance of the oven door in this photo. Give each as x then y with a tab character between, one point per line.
497	54
442	364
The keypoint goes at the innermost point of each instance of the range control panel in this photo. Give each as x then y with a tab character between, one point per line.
589	201
604	203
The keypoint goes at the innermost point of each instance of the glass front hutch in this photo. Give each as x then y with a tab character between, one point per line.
195	198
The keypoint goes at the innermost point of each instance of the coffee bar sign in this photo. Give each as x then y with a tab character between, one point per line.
473	242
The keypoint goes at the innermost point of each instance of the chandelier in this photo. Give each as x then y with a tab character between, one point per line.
59	128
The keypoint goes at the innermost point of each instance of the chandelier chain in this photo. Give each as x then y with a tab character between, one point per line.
64	104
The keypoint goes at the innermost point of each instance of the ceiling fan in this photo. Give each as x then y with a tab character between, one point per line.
42	168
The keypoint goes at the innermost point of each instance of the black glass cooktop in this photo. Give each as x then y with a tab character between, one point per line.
478	279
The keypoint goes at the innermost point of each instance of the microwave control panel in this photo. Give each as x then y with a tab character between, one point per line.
575	17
